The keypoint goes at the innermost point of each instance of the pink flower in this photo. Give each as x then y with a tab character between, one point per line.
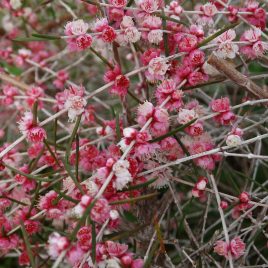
236	248
62	77
10	92
227	49
36	134
149	6
121	82
108	34
244	197
119	3
187	42
84	237
115	249
78	27
56	244
256	47
131	34
209	9
78	37
34	93
157	68
258	16
75	102
123	176
101	211
31	227
221	248
222	106
33	132
224	204
160	119
168	89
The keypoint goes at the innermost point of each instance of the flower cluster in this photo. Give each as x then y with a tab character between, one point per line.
133	131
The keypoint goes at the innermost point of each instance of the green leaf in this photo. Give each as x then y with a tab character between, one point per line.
94	242
46	36
134	199
129	216
11	69
28	245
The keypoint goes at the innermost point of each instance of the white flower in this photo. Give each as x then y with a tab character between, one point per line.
25	123
201	185
233	140
155	36
128	132
226	36
56	244
7	24
227	50
209	9
185	116
112	263
24	52
78	27
92	187
15	4
78	211
75	105
122	144
126	22
253	35
114	214
149	6
132	34
123	176
158	66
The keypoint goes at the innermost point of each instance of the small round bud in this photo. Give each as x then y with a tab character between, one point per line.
233	140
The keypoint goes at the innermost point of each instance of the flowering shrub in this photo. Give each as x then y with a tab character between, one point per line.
133	133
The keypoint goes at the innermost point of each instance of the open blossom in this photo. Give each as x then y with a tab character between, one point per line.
28	127
75	102
186	42
119	3
157	68
9	92
123	176
198	144
168	89
257	14
155	36
77	27
142	147
222	106
56	244
132	35
160	120
78	37
149	6
236	248
185	116
121	82
256	47
226	47
208	12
